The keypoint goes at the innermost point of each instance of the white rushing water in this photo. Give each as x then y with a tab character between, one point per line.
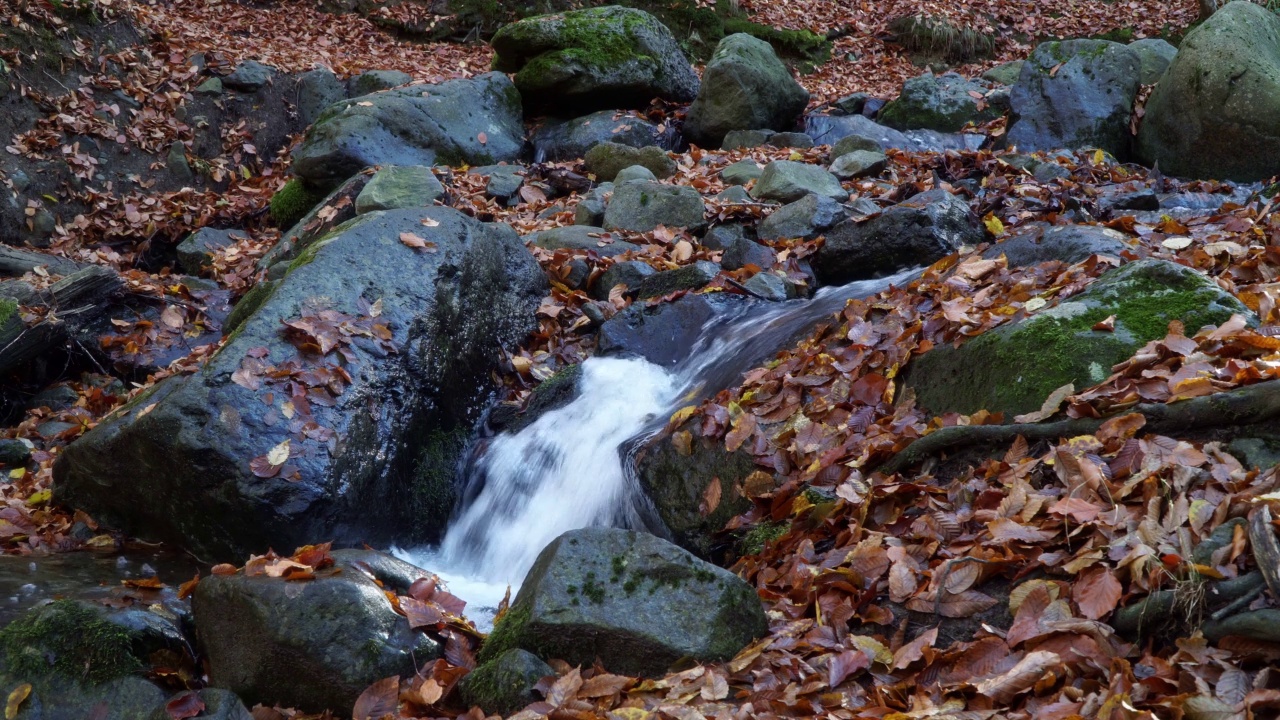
566	471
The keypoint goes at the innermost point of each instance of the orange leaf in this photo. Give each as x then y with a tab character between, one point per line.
1097	593
379	699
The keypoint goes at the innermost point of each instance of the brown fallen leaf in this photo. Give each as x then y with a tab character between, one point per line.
379	699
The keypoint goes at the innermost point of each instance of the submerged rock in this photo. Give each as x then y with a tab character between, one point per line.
594	59
1013	368
636	602
397	347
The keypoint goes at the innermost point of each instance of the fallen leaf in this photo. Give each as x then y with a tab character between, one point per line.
16	698
186	705
379	699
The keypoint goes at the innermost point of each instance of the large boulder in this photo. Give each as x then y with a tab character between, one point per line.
473	122
1012	369
594	59
316	644
571	139
831	129
336	410
744	87
913	233
1216	111
945	103
643	206
636	602
1154	54
1076	94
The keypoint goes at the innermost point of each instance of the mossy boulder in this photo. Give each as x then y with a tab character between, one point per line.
184	463
1216	111
1005	73
607	159
505	684
788	180
745	87
396	187
643	206
594	59
476	121
636	602
945	103
1155	55
292	202
1076	94
313	645
1012	369
311	227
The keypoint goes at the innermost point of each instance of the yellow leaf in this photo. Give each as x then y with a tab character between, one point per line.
16	698
873	648
40	497
279	454
795	156
17	473
1099	157
682	415
1034	304
994	226
521	364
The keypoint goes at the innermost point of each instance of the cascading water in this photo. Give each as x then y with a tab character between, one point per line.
566	470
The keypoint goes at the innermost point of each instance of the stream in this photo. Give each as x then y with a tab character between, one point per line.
571	469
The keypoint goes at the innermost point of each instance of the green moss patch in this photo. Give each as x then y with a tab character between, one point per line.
507	634
755	540
292	202
937	37
70	639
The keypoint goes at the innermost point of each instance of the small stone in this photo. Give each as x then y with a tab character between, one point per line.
689	277
581	237
722	237
643	206
590	209
796	140
579	272
805	218
506	683
197	251
734	194
57	397
852	143
397	187
504	186
1005	74
744	252
14	453
787	181
606	160
249	76
317	90
741	139
635	172
177	164
858	164
851	104
769	286
741	172
212	86
630	273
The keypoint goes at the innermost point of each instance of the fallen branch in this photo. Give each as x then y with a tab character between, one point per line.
74	303
1248	405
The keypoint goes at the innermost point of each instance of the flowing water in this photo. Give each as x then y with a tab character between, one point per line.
569	469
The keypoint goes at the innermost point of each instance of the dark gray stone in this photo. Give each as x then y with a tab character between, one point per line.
738	139
317	90
630	273
915	232
373	81
1155	55
312	645
744	252
249	76
741	172
689	277
416	125
806	218
859	164
796	140
396	187
1075	94
744	87
1037	243
636	602
590	209
787	181
768	286
197	251
666	333
722	237
853	143
582	237
557	141
594	59
938	102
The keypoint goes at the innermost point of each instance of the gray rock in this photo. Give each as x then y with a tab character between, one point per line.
1075	94
571	139
506	683
211	87
689	277
373	81
57	397
854	143
312	645
590	209
1037	243
594	59
734	194
806	218
504	182
311	227
608	159
184	470
722	237
582	237
1005	73
1154	54
938	102
744	87
643	206
1048	171
796	140
197	251
630	273
915	232
634	601
741	172
737	139
177	165
851	104
635	172
1013	368
396	187
317	90
1216	111
415	125
787	181
745	252
666	333
1126	197
768	286
249	76
858	164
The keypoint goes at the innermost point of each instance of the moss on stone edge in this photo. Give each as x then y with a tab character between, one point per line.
292	202
507	634
69	639
803	48
8	307
433	494
754	542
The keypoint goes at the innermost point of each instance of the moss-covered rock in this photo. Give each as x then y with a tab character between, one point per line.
945	103
292	201
1014	368
636	602
505	683
71	639
788	180
396	187
607	159
1216	111
643	206
745	87
594	59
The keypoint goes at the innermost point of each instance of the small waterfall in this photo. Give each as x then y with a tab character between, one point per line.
565	470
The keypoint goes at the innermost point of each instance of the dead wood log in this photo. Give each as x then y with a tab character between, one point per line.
16	262
71	305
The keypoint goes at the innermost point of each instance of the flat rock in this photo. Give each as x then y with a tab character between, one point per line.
643	206
396	187
787	181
